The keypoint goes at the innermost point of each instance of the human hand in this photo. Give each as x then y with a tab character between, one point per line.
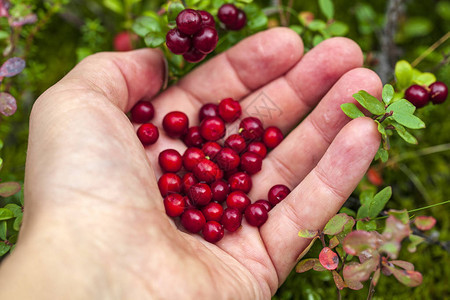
94	223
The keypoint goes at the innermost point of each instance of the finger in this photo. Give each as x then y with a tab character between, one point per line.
301	150
320	195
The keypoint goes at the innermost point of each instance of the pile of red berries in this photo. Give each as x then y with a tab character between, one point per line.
420	96
207	186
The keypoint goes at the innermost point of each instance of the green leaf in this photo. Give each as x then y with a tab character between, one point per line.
257	20
173	10
336	224
297	28
408	120
334	241
381	129
388	94
3	230
404	134
417	27
424	222
367	226
403	74
4	248
337	29
382	154
3	35
9	188
305	265
401	106
305	233
401	215
16	209
317	40
6	214
317	25
366	196
369	102
414	241
348	211
425	79
327	8
154	39
145	25
114	5
379	201
17	223
351	110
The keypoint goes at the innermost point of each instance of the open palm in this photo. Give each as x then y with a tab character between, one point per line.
94	219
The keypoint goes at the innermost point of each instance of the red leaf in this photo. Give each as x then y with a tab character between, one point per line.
360	272
424	223
340	284
403	264
8	104
4	7
29	19
408	278
357	241
374	177
329	259
354	285
307	248
12	67
9	188
305	265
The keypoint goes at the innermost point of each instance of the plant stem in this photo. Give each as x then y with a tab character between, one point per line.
339	293
419	209
430	49
371	291
322	238
386	115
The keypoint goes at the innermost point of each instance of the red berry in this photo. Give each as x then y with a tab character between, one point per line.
205	40
251	128
189	21
238	200
231	219
148	134
251	163
227	159
169	183
220	190
213	211
236	142
212	128
211	149
277	193
142	112
272	137
240	181
178	42
417	95
265	203
193	137
229	110
227	175
193	55
257	148
123	41
227	14
174	205
187	181
175	124
208	110
212	232
200	194
240	22
191	157
206	170
438	92
170	160
207	18
193	220
256	214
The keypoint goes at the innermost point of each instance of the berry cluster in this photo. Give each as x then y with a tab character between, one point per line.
195	35
207	186
420	96
232	17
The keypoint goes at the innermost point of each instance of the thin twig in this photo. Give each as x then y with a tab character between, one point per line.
416	181
371	291
430	49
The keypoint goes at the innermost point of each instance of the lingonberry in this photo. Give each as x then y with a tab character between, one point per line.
207	18
193	137
142	112
277	193
227	14
229	110
191	157
178	42
211	149
257	148
205	40
206	170
227	159
438	92
417	95
251	163
231	219
175	124
169	183
187	181
200	194
238	200
236	142
256	214
212	232
148	134
227	175
208	110
241	20
213	211
193	220
193	55
240	181
170	160
189	21
264	203
272	137
212	128
174	205
251	128
220	190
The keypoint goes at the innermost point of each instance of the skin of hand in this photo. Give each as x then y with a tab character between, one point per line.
94	225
